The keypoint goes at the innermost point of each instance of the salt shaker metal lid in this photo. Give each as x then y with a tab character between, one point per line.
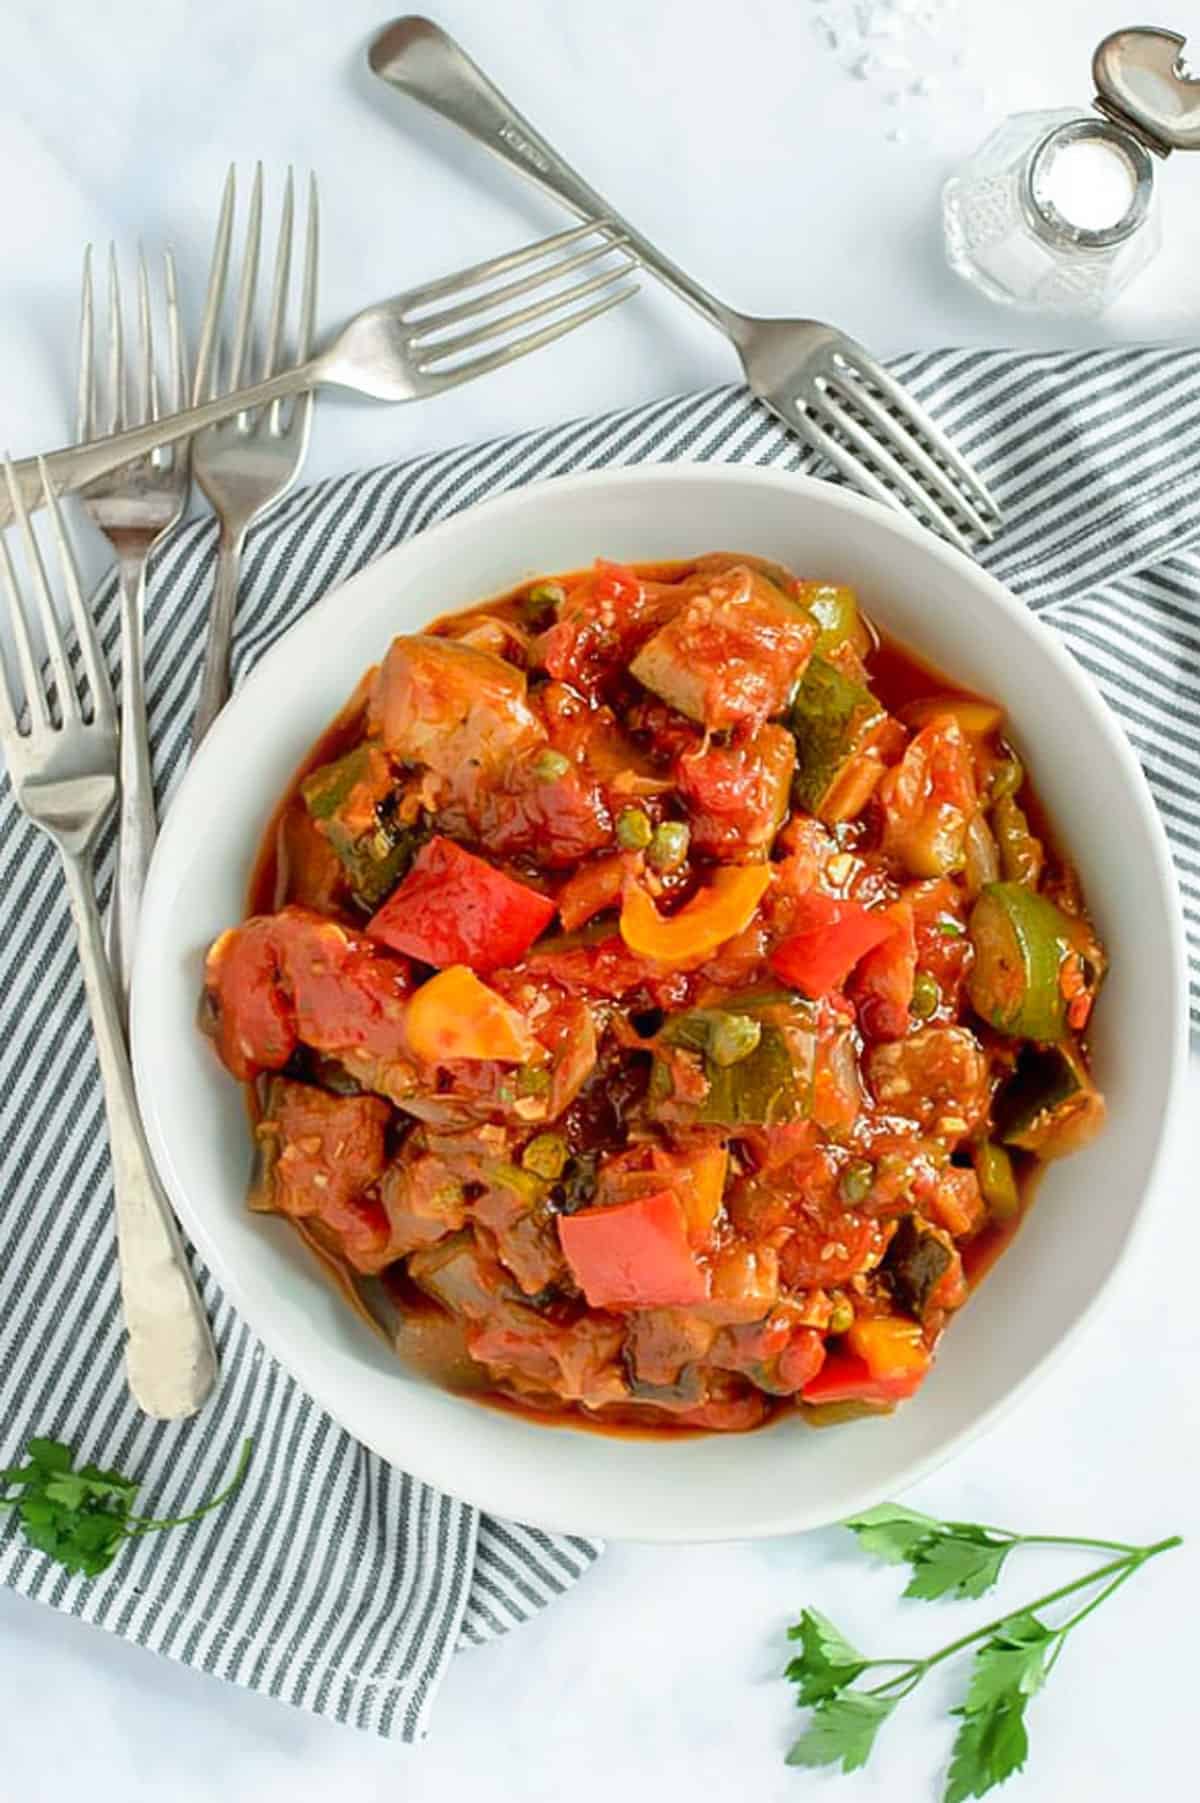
1142	86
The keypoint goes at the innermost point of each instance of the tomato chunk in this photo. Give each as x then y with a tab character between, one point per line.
453	908
634	1255
827	941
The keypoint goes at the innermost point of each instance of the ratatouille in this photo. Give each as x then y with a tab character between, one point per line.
668	989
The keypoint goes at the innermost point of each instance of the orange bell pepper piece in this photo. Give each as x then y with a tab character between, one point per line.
893	1349
455	1016
725	907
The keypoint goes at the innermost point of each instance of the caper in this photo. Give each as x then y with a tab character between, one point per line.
634	831
547	594
548	766
858	1180
732	1037
926	996
669	845
842	1317
546	1156
533	1080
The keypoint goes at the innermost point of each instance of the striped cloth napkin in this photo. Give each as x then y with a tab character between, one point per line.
334	1581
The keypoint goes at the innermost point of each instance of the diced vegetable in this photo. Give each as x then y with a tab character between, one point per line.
981	856
884	1362
300	977
732	654
827	940
917	1260
744	1284
997	1179
634	1255
351	802
835	609
737	795
725	906
732	1037
886	978
703	1190
929	799
1021	854
977	719
455	908
452	707
328	1154
1021	943
770	1084
455	1016
836	723
937	1076
594	889
1050	1104
554	821
894	1351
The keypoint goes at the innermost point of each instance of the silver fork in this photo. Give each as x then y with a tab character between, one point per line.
60	742
247	462
133	507
820	383
404	349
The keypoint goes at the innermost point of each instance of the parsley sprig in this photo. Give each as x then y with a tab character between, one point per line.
1014	1655
81	1516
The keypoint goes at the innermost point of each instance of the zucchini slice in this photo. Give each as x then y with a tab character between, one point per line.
1021	941
834	720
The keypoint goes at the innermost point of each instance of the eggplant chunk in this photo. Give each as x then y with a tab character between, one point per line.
1050	1105
917	1259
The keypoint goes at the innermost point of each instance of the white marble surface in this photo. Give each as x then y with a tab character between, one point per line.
737	136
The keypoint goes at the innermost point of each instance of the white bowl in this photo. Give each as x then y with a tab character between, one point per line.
786	1477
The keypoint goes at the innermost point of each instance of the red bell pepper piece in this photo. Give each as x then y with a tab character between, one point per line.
827	941
453	908
634	1254
616	582
884	1362
844	1377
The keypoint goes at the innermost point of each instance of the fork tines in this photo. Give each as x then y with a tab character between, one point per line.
73	701
145	402
885	443
221	368
437	350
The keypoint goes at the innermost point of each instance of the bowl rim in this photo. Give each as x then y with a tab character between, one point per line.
292	1352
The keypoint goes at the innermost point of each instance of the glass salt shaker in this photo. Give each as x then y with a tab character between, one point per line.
1057	210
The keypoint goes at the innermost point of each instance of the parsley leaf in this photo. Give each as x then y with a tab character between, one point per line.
1003	1673
80	1517
842	1731
827	1662
892	1533
963	1563
989	1747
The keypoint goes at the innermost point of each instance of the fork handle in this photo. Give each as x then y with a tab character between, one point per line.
214	678
170	1358
138	827
423	61
75	466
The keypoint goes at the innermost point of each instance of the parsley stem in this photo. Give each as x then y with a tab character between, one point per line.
143	1524
1101	1546
1123	1568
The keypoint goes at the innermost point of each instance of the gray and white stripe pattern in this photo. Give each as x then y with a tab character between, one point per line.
336	1582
